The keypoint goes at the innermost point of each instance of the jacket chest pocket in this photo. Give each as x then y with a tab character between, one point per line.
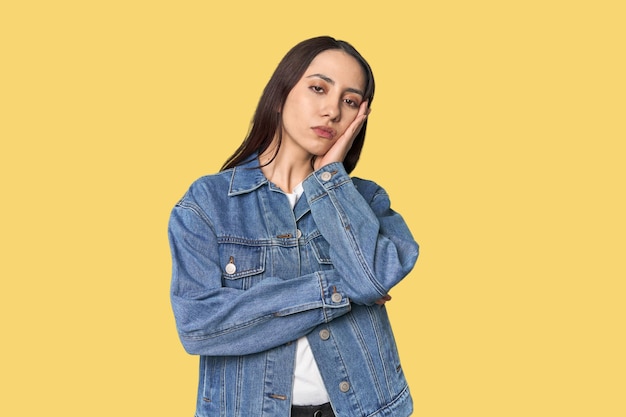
321	250
242	265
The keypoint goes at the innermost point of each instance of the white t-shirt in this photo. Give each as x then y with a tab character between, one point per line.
308	387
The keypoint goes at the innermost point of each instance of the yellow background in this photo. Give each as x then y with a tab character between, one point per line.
498	129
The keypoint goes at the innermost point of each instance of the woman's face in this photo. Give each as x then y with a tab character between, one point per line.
322	104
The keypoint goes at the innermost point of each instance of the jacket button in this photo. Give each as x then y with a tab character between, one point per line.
326	176
324	334
298	233
231	268
344	386
336	298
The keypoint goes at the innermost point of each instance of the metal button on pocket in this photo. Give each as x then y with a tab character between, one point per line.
344	386
326	176
230	267
336	297
324	334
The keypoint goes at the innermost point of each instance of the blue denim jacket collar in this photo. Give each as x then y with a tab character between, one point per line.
246	177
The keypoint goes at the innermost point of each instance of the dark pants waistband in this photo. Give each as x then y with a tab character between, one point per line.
324	410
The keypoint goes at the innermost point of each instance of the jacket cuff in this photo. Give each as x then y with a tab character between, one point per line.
326	178
335	302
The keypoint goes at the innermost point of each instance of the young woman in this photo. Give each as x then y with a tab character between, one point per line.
282	263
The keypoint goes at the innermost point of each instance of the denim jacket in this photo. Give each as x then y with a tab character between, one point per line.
251	276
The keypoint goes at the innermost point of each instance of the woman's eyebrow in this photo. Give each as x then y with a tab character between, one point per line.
332	82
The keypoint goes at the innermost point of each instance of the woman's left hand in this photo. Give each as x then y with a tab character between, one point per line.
340	149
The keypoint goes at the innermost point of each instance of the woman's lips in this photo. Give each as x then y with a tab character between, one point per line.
324	132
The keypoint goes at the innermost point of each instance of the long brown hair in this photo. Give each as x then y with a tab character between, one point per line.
267	117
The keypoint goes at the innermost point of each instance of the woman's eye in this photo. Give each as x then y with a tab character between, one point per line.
317	89
351	103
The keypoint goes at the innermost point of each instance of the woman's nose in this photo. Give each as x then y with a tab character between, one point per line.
332	109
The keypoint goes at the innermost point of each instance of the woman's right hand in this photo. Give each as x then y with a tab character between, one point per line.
382	300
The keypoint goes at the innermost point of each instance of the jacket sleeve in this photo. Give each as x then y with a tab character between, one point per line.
371	246
215	320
